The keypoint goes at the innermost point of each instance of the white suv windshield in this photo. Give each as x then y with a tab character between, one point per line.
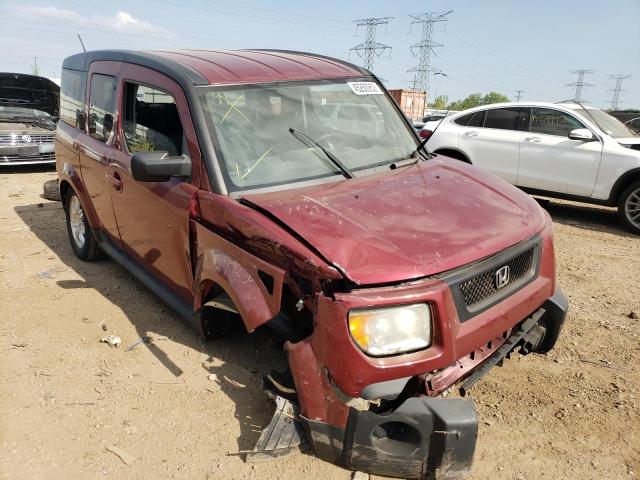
251	125
608	124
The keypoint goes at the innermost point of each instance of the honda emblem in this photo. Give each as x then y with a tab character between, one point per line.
502	276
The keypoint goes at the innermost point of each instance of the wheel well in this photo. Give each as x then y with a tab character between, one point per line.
64	190
622	184
452	153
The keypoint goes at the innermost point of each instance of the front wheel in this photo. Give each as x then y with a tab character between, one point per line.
629	208
83	243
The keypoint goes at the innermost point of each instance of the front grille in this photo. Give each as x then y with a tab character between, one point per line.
475	287
16	139
45	157
484	286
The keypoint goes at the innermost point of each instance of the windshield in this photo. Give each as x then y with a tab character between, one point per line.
11	112
352	120
608	124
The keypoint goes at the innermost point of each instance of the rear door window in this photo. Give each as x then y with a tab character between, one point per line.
72	91
504	118
475	119
102	106
151	122
552	122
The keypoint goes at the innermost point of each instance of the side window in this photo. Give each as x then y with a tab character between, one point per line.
475	119
552	122
464	120
504	118
151	121
72	91
102	103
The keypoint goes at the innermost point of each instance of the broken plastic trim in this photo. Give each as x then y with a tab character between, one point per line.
283	436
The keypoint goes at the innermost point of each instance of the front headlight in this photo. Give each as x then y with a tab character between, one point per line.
391	330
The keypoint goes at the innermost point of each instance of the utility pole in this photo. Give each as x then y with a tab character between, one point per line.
423	50
34	67
519	94
370	49
615	101
580	83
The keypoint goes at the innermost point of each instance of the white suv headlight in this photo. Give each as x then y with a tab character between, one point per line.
391	330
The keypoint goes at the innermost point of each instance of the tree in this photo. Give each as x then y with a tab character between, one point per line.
440	103
477	99
494	97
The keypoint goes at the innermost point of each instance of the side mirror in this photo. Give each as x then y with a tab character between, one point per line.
582	134
159	166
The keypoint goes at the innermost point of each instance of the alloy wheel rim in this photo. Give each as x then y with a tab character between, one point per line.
632	208
76	218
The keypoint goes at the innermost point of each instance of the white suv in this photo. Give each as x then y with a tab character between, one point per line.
562	150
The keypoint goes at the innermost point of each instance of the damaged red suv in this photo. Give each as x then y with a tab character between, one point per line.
288	189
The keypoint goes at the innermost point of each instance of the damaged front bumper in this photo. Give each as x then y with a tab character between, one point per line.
422	436
418	436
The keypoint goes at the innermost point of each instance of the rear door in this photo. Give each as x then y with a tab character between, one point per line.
491	140
153	217
98	141
550	160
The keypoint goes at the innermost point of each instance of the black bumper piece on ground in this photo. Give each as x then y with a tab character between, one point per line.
424	436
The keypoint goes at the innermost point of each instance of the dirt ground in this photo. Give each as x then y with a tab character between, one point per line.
65	397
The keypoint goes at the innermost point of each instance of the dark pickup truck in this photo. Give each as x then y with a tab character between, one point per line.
394	277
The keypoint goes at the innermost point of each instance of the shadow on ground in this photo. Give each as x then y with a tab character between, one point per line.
238	360
587	217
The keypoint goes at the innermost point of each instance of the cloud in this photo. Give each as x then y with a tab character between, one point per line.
119	22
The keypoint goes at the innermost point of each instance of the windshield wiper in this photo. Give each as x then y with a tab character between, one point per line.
421	146
307	140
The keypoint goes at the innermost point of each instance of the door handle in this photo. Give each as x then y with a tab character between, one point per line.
532	140
116	181
471	134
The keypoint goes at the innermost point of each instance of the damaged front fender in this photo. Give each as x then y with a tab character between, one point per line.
254	286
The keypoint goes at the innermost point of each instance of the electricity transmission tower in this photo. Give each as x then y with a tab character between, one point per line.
519	94
370	49
424	49
580	83
615	101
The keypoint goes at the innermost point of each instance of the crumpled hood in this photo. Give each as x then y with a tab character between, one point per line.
29	91
407	223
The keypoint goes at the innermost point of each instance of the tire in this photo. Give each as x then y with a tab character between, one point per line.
454	154
629	208
52	190
81	236
217	323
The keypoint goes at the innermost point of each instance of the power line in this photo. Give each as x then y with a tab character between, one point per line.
370	49
580	83
423	50
519	95
615	101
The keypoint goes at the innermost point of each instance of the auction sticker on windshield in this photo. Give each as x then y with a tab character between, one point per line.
365	88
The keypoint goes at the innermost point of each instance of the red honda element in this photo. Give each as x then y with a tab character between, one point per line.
288	189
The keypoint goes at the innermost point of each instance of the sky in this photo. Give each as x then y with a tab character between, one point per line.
488	45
